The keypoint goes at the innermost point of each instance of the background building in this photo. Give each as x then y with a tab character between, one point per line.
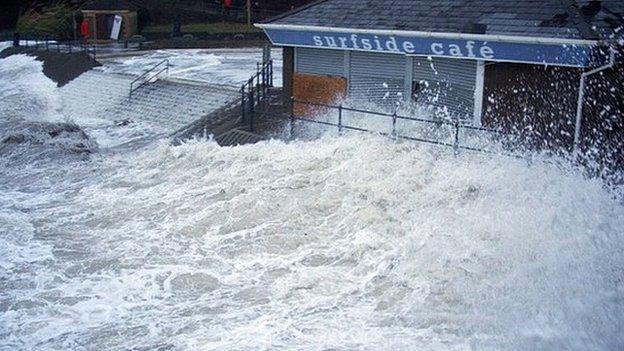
101	15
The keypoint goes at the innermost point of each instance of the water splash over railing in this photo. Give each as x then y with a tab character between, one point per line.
456	126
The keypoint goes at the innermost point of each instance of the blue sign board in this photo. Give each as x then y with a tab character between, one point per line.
550	54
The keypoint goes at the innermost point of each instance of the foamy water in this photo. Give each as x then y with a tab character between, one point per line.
217	66
340	243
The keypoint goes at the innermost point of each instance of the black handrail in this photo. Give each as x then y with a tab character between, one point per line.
256	90
457	126
68	46
144	74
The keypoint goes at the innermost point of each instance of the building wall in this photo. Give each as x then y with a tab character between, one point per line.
535	102
130	25
288	69
602	132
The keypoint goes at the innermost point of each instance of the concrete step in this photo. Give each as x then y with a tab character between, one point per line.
164	105
238	137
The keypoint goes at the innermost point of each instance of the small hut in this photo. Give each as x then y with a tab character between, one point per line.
110	20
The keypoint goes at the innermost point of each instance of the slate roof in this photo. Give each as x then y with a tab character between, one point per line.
112	5
570	19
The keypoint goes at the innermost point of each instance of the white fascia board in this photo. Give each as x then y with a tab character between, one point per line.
441	35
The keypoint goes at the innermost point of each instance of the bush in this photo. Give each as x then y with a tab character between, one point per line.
53	20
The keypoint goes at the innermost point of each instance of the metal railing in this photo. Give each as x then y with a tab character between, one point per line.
255	91
456	126
64	46
142	80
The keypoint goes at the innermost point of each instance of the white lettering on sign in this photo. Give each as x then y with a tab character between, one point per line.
467	51
391	44
437	48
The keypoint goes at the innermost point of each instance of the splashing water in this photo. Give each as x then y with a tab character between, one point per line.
338	243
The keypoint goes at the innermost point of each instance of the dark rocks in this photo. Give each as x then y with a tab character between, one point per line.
66	136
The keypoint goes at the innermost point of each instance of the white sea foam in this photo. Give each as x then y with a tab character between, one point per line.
353	242
26	93
218	66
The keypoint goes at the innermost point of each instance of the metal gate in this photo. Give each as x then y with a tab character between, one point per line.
446	85
377	78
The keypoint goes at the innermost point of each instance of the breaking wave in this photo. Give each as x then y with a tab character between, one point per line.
353	242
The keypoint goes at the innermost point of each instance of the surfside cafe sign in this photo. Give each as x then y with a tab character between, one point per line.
553	54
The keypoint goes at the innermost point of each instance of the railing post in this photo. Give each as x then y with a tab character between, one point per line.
252	101
243	116
456	142
271	73
394	121
257	78
340	119
292	117
263	72
258	87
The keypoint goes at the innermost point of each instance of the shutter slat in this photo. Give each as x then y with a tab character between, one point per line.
451	84
377	78
320	61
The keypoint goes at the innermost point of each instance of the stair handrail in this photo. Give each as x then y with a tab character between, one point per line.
166	68
256	90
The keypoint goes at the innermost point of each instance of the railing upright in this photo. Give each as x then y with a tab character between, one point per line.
456	142
292	117
251	97
255	91
340	119
456	125
243	107
394	122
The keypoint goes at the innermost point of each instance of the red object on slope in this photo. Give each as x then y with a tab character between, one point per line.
84	28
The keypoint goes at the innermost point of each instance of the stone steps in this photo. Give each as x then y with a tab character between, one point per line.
100	99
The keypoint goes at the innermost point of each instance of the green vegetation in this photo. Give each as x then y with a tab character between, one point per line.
52	20
207	28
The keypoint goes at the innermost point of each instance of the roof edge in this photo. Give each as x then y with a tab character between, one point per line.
441	35
293	11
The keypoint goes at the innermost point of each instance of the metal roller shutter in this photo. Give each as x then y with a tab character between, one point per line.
448	85
377	78
320	61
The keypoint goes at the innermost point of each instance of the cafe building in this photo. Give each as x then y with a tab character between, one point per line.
483	62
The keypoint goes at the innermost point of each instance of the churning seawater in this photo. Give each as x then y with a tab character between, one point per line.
339	243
